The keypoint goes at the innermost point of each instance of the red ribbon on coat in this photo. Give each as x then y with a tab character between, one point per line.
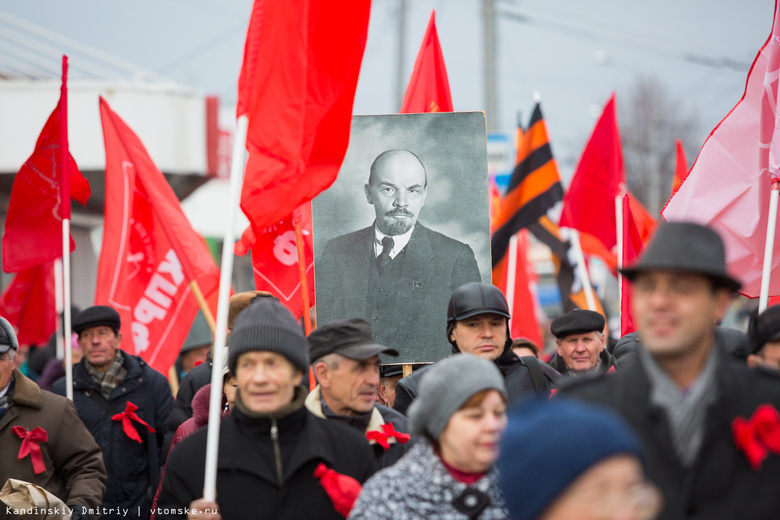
127	417
342	490
759	435
31	447
388	431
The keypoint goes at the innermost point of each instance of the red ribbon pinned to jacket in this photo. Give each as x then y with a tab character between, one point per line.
127	417
759	435
30	446
342	490
388	431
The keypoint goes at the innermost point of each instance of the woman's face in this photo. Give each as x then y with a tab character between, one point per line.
230	387
470	440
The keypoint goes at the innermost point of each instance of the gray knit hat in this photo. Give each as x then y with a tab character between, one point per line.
446	386
267	325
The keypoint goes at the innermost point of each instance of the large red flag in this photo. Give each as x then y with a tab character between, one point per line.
428	89
729	183
150	252
28	304
297	84
632	248
33	225
275	260
589	202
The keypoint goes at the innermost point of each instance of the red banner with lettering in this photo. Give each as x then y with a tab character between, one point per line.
150	252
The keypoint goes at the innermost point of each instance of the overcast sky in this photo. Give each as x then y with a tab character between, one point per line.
574	53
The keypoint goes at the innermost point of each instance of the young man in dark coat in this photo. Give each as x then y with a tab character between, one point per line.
270	446
125	404
345	360
478	324
693	405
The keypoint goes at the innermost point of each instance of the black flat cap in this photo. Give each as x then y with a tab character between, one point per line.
97	316
351	338
764	327
577	322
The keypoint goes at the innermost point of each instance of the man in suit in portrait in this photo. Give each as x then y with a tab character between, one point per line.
396	273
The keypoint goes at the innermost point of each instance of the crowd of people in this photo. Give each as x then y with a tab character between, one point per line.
676	421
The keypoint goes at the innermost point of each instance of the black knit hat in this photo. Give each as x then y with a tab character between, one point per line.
97	316
267	326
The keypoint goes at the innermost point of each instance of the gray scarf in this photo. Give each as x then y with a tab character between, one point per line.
685	408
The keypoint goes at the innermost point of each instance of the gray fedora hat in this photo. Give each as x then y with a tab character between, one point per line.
688	247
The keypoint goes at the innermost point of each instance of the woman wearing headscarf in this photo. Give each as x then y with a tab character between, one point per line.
450	472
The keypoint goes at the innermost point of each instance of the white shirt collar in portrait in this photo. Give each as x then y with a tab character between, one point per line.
399	242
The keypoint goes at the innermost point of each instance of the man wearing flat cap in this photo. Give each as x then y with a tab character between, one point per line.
579	336
693	405
345	361
68	463
124	403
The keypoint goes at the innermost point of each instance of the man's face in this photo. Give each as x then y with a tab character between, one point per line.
397	192
6	369
581	352
194	357
266	380
483	335
676	312
99	345
350	388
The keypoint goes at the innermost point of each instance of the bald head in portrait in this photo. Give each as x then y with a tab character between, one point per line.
396	273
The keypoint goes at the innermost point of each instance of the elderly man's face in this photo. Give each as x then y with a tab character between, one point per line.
397	192
581	352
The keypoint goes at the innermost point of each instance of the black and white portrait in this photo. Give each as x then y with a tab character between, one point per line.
405	224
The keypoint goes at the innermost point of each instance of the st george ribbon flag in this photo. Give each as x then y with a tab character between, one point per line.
429	88
150	254
33	225
589	202
729	183
275	260
28	304
297	86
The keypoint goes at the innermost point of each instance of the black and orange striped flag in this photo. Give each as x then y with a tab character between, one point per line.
534	188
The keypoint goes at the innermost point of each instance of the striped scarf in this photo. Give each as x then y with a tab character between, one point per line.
112	377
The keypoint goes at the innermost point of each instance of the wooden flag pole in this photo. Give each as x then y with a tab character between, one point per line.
302	275
204	306
763	300
215	398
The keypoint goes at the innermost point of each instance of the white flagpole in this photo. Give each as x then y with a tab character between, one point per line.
511	275
66	307
619	231
58	299
582	269
763	300
215	400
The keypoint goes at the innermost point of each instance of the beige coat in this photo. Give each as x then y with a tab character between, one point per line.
74	464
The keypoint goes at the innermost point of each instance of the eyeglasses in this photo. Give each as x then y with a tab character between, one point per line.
644	500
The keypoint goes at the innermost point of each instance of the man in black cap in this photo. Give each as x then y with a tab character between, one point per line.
693	405
272	451
764	335
345	361
389	376
124	403
478	324
579	336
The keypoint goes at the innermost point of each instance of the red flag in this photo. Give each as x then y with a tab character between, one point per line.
680	168
28	304
523	302
632	248
589	203
297	85
644	220
429	88
729	183
33	225
275	260
150	252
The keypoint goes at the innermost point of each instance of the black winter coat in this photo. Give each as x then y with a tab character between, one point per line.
133	468
247	482
721	483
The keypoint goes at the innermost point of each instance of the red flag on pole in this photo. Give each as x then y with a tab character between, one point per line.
680	168
729	183
297	86
33	225
28	304
589	203
150	254
632	248
275	260
429	88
